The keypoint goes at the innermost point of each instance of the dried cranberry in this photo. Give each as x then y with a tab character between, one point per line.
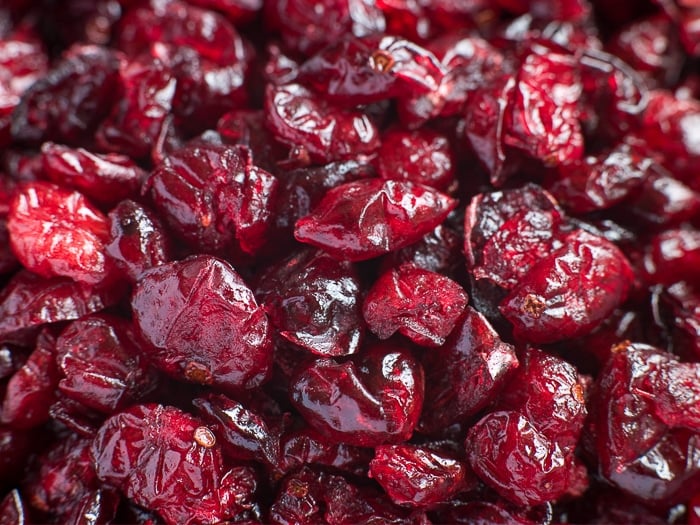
144	449
314	301
232	350
364	219
373	400
13	510
57	232
422	305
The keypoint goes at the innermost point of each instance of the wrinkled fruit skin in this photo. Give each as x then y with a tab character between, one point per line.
232	350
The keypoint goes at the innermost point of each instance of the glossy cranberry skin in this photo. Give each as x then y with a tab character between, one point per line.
214	197
673	256
422	305
348	220
416	476
57	232
439	251
105	179
327	133
102	365
375	399
423	157
13	510
466	373
231	351
314	301
570	292
144	449
641	441
512	456
68	103
29	301
137	239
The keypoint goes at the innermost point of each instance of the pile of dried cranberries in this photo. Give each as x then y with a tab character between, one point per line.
349	261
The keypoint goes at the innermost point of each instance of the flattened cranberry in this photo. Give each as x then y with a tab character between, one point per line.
416	476
569	293
64	476
232	350
67	104
423	156
105	179
373	400
551	394
32	389
298	118
521	463
137	241
364	219
466	373
57	232
29	301
314	301
165	460
422	305
102	365
140	116
214	197
644	455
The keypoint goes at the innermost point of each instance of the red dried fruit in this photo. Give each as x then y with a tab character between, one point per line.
466	373
327	133
137	240
569	293
68	103
150	453
420	304
15	447
439	251
521	463
102	365
232	350
106	179
214	197
13	511
643	454
98	506
375	399
32	389
236	11
364	219
57	232
424	157
417	476
314	302
673	256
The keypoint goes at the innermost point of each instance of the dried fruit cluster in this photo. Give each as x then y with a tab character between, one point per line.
349	261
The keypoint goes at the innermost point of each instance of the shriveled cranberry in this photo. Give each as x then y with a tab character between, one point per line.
420	304
102	365
641	441
67	104
139	117
29	301
299	499
439	251
375	399
673	256
32	388
214	197
521	463
298	118
416	476
466	373
137	240
105	179
64	476
232	350
570	292
681	305
307	26
314	301
424	157
364	219
57	232
144	450
599	182
550	393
